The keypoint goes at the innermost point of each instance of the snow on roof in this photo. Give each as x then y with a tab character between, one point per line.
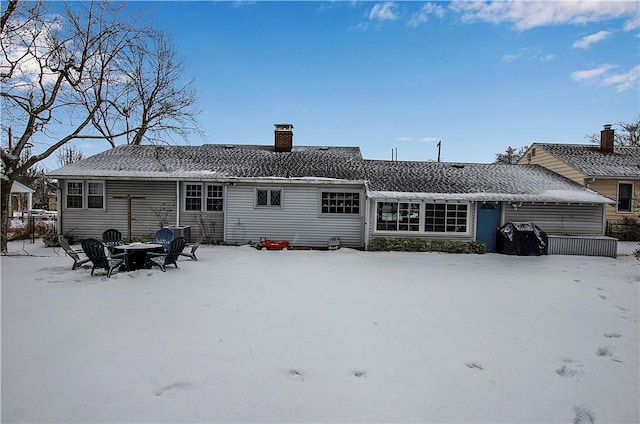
623	162
18	187
470	181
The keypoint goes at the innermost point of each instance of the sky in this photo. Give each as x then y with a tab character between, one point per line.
477	76
301	336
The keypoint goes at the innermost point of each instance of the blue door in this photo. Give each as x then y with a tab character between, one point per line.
488	223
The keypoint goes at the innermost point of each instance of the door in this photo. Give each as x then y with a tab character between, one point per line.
488	222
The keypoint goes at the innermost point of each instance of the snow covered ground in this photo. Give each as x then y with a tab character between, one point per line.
321	336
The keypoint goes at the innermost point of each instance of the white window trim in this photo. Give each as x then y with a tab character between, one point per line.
104	194
184	195
421	231
631	205
269	206
85	194
203	196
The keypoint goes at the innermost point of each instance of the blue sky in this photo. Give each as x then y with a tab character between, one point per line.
479	76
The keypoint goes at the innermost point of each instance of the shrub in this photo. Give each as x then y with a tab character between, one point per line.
421	245
626	230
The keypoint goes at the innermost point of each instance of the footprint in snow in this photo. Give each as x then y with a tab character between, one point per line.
172	389
296	375
360	374
612	335
584	415
569	370
474	365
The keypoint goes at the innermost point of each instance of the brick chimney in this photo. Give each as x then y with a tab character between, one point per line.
283	137
606	139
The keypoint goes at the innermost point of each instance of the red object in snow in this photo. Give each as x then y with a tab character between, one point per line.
275	244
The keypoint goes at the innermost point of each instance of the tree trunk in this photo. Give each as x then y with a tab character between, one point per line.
5	204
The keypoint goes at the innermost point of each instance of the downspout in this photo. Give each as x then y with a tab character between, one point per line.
59	207
367	215
177	203
224	212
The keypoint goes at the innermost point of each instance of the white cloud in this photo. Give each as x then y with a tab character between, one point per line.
587	41
403	139
423	15
590	74
623	81
510	57
531	14
548	58
429	139
383	11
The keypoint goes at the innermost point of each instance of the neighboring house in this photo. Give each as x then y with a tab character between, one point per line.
612	171
307	194
21	198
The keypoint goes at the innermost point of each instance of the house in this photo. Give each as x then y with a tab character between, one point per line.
21	198
613	171
308	194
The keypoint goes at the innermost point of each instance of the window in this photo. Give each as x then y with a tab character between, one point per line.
343	203
193	197
214	197
74	194
269	197
445	218
409	217
398	216
95	195
625	197
197	195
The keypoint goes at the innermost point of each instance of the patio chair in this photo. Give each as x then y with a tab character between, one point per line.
192	253
171	257
95	250
111	238
71	252
164	237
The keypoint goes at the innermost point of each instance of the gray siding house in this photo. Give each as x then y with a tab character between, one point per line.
307	194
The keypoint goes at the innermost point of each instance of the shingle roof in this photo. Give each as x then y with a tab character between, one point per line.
219	161
624	162
473	181
412	179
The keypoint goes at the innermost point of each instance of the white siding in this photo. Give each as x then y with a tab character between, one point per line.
149	199
560	219
298	220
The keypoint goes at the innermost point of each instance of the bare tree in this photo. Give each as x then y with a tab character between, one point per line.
627	134
68	76
510	155
68	155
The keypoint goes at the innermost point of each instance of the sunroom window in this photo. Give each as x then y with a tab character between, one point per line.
445	218
398	216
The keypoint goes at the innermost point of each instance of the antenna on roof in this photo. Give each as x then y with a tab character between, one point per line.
439	144
394	156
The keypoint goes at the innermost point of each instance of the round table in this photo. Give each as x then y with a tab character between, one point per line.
137	253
